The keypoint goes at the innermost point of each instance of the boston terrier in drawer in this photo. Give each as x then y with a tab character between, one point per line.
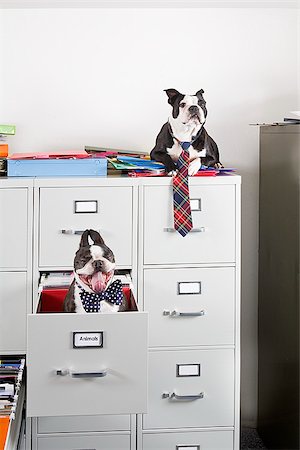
186	126
93	288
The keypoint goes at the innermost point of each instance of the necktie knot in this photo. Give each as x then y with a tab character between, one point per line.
185	145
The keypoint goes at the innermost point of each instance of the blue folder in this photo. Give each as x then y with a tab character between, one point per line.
86	167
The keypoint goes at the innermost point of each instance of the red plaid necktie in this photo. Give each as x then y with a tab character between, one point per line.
182	209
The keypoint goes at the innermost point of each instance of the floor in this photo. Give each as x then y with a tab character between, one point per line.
250	440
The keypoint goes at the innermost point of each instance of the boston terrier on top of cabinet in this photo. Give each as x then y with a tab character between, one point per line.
186	125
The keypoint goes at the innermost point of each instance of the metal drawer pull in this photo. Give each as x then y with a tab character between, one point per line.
174	396
175	313
72	374
193	230
70	232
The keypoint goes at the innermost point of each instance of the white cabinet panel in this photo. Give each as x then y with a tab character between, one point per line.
13	310
176	401
189	307
193	440
212	238
66	212
65	381
118	442
79	424
13	228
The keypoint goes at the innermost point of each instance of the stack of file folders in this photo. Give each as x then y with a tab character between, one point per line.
11	394
11	374
128	162
5	130
138	164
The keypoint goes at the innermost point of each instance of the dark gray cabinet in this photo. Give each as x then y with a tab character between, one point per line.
278	311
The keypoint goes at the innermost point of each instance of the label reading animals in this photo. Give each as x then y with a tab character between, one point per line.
88	339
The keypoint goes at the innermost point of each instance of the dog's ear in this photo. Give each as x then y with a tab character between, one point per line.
199	93
172	95
84	239
96	237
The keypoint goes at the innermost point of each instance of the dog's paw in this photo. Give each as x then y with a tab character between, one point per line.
194	166
172	173
218	165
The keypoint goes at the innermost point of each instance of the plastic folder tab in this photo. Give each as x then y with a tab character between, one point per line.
86	167
7	129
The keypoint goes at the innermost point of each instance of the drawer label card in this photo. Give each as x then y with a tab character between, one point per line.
188	287
87	339
195	204
85	206
188	370
187	447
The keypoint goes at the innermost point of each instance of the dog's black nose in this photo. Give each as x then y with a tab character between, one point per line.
97	265
193	109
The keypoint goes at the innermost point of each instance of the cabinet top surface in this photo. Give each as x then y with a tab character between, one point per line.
113	181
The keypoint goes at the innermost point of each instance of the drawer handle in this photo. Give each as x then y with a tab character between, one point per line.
72	232
193	230
64	372
174	396
176	313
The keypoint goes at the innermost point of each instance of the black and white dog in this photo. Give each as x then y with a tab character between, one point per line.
186	124
93	288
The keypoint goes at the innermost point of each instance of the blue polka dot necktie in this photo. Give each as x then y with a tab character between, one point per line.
92	302
183	222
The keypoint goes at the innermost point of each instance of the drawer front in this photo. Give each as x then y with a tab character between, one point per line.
190	306
81	424
108	210
118	442
67	381
13	311
13	228
213	235
190	375
193	440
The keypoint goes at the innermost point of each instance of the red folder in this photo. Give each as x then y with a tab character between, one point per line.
66	154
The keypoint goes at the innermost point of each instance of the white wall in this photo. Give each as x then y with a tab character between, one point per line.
71	77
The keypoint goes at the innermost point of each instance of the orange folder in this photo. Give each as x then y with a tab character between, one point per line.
4	424
3	150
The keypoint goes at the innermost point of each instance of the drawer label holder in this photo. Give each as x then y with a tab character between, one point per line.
187	370
187	447
87	339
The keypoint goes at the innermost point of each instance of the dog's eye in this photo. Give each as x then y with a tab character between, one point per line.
182	105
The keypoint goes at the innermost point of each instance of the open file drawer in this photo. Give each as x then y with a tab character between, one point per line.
87	364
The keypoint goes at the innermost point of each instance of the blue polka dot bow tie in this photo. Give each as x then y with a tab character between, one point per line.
92	302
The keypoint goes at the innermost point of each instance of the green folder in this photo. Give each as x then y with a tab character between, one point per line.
7	129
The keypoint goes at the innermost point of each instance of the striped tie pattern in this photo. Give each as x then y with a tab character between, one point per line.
182	209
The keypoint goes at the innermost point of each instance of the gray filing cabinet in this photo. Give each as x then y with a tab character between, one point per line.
15	263
278	311
188	291
16	212
191	289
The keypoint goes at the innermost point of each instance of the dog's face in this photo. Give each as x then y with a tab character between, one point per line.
94	262
187	109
